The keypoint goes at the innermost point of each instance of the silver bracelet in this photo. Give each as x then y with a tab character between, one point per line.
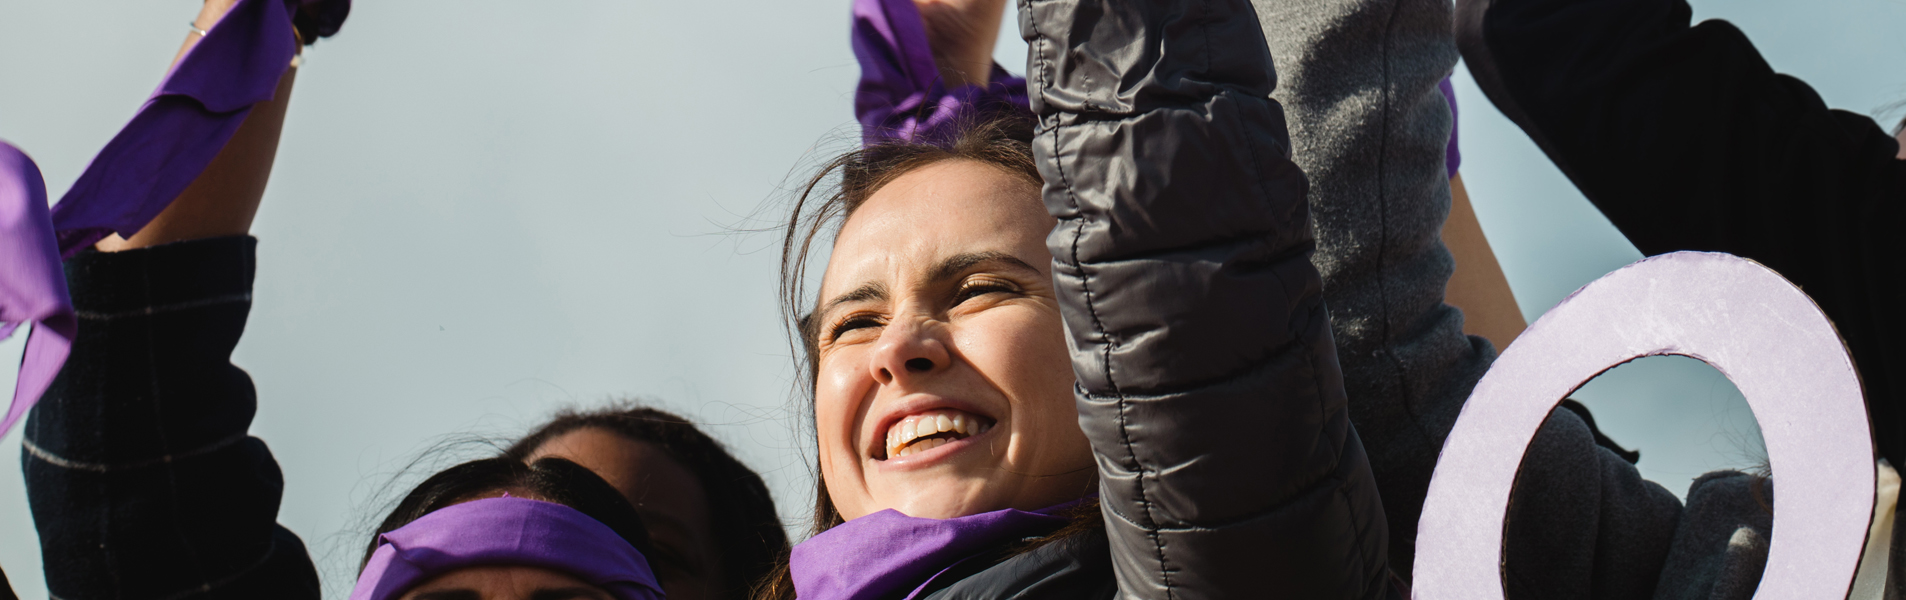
195	28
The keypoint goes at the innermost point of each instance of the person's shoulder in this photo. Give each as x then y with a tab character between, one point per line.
1075	567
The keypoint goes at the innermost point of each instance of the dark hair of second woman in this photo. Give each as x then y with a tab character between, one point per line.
1002	139
748	537
549	480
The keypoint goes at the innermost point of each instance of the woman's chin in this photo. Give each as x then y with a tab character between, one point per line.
930	506
944	494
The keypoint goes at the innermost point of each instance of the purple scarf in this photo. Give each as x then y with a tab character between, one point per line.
186	122
506	531
32	284
889	555
901	96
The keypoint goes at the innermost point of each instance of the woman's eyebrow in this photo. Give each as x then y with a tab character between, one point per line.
867	291
568	593
952	266
449	595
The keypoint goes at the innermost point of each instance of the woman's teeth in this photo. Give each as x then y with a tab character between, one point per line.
929	430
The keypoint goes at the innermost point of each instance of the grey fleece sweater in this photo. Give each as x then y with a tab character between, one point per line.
1358	81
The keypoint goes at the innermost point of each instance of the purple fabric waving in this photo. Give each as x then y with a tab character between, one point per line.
1453	158
195	111
32	284
187	121
889	555
506	531
901	95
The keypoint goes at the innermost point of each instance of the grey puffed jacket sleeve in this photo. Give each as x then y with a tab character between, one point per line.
1368	126
1208	384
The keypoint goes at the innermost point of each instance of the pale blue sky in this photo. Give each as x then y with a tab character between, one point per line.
484	211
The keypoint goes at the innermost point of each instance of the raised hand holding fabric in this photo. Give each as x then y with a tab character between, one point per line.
197	108
901	94
195	111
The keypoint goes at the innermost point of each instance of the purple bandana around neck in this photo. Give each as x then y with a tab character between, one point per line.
506	531
187	121
889	555
32	284
901	95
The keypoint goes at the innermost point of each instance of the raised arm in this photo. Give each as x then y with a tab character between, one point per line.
926	66
1688	140
142	476
1207	381
224	198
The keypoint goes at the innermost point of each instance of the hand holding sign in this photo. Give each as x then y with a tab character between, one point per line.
1742	318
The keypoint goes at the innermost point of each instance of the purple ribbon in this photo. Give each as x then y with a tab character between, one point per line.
198	107
178	131
901	96
32	284
890	555
506	531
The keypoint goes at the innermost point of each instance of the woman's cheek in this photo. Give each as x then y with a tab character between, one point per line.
835	406
1022	349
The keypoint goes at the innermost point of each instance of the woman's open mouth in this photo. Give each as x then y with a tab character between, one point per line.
931	429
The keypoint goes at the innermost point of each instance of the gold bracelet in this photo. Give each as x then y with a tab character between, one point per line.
297	60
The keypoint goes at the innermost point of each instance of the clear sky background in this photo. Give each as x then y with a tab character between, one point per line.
484	211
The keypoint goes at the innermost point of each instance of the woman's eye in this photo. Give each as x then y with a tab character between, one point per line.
976	289
850	324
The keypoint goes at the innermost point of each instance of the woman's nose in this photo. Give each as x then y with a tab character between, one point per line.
909	349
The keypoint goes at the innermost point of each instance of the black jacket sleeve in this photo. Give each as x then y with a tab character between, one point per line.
1687	140
1207	381
141	476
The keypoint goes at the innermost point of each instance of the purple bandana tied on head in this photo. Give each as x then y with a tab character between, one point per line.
506	531
169	142
889	555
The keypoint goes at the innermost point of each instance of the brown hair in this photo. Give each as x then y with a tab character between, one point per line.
748	535
1001	139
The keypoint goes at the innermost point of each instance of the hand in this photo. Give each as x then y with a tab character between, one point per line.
963	33
224	198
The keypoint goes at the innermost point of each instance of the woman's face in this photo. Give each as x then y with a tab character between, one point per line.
944	387
505	582
670	499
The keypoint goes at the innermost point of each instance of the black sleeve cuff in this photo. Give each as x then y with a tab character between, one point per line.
160	277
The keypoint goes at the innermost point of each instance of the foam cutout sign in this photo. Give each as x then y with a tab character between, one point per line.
1752	325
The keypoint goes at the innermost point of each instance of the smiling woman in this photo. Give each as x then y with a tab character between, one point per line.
1132	392
941	382
938	300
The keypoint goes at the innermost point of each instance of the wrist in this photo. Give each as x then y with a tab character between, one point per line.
211	12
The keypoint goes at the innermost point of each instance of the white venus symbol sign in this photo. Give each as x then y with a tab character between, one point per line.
1757	328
